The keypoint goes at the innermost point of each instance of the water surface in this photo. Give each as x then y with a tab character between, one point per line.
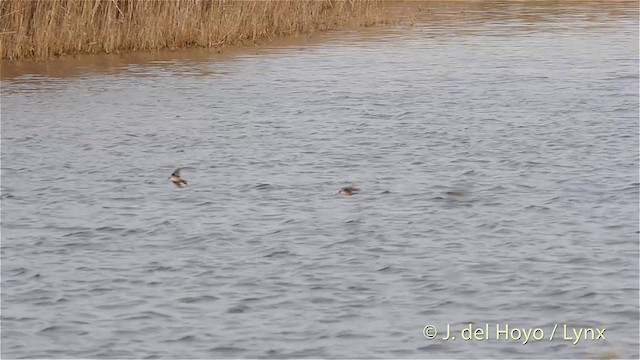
496	146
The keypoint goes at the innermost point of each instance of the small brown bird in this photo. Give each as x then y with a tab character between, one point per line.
348	191
177	180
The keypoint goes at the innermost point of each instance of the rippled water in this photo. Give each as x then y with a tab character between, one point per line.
497	151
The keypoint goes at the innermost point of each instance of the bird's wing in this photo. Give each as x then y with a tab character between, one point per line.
176	173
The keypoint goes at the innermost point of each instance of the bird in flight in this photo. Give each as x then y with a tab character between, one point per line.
348	191
177	180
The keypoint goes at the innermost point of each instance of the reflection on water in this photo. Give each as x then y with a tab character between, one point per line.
495	145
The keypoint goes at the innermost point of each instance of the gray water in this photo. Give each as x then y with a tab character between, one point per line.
496	147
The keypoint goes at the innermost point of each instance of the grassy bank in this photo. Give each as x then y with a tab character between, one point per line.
40	29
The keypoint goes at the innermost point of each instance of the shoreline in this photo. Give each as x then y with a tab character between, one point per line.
45	30
78	64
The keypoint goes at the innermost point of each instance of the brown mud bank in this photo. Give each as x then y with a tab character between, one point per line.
41	29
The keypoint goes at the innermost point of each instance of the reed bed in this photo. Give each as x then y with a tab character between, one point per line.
40	29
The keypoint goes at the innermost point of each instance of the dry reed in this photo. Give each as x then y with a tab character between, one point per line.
40	29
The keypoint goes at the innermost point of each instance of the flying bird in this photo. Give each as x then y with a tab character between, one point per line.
177	180
348	191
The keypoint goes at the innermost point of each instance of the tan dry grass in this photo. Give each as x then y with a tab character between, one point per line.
40	29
